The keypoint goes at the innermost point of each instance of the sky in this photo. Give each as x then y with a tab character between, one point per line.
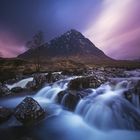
112	25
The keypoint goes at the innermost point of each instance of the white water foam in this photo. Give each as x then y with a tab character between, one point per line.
107	109
21	83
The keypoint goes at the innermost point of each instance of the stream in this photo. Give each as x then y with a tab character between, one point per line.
103	115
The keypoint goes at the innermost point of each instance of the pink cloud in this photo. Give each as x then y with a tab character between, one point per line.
10	45
116	31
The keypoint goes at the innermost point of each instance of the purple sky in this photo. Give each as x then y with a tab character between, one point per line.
117	29
112	25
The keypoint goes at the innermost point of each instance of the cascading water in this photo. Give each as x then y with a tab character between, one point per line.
21	83
51	91
136	100
107	109
103	109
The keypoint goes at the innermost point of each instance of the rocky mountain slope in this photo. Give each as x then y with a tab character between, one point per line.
71	44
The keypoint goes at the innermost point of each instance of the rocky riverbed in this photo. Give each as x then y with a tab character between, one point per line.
98	99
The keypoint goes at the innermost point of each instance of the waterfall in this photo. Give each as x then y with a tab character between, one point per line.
51	91
136	100
106	108
64	99
102	113
21	83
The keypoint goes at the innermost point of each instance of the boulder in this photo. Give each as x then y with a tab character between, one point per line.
5	114
53	77
38	82
16	89
31	85
110	72
133	91
60	96
4	91
10	81
84	93
56	77
74	72
29	111
137	88
49	77
70	99
86	82
40	79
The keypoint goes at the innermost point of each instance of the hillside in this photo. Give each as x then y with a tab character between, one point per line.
70	45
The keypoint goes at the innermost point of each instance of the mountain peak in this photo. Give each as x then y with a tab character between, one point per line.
73	33
70	44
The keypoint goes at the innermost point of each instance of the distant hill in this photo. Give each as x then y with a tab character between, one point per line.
72	49
70	45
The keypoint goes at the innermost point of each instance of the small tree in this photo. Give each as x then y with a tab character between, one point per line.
34	44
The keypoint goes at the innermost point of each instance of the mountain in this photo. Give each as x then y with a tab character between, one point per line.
71	44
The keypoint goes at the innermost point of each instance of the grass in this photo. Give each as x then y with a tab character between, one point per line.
11	67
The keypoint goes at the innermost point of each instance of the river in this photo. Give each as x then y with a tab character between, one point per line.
103	115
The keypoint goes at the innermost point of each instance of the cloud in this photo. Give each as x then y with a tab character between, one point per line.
112	25
117	28
10	45
53	17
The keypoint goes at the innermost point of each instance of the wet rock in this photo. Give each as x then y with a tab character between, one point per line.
11	81
16	89
111	72
128	95
61	95
137	88
4	91
57	76
70	99
133	92
84	93
86	82
49	77
72	72
5	114
31	85
40	79
29	111
38	82
53	77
